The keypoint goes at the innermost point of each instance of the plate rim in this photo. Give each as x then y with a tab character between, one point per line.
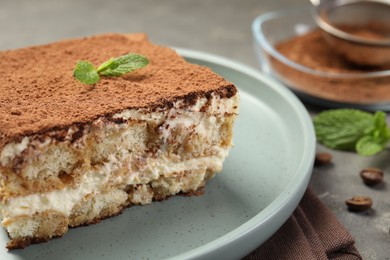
292	193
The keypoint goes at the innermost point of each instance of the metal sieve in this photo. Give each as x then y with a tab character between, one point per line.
357	29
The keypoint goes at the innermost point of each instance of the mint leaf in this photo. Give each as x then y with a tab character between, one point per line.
86	73
352	129
367	146
342	128
119	66
114	67
376	139
381	132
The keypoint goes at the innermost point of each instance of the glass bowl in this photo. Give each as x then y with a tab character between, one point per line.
367	89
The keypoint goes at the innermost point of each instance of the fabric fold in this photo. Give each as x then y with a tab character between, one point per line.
312	232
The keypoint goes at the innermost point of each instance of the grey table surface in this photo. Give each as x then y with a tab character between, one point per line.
220	27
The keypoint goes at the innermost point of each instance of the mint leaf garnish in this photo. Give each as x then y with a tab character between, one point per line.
367	146
342	128
119	66
114	67
86	72
352	129
381	132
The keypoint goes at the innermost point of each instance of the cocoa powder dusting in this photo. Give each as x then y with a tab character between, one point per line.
312	51
38	92
371	31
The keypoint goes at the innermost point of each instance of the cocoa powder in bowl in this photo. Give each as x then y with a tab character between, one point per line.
325	74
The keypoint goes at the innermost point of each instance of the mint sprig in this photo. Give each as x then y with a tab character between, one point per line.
352	129
114	67
86	72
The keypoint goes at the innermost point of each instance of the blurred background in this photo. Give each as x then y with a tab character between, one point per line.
218	26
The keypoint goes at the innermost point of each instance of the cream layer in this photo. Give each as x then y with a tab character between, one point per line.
64	200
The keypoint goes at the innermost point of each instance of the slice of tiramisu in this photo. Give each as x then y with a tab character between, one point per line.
72	154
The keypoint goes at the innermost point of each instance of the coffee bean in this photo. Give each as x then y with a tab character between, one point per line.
322	159
372	176
359	203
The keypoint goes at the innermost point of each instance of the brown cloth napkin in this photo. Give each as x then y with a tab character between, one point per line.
312	232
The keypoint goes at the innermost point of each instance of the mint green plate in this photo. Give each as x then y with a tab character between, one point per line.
263	180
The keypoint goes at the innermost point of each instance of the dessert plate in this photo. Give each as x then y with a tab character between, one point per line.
261	184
